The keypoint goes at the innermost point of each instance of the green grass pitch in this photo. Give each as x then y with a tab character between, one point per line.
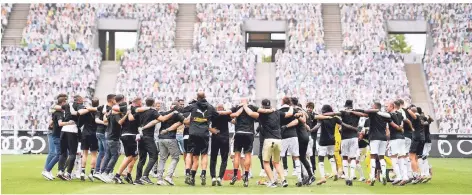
21	174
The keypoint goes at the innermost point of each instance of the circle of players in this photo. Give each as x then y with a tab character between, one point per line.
400	131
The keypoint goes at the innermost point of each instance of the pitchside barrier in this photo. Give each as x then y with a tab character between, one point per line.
36	142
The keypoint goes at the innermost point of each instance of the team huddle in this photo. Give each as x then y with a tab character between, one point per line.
400	133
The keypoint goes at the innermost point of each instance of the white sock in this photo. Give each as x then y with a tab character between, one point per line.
360	170
403	164
333	166
372	169
298	170
396	168
346	169
420	166
383	166
408	166
353	170
322	169
426	167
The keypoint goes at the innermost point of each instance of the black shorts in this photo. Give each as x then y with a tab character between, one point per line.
243	141
198	145
186	146
130	145
89	142
417	147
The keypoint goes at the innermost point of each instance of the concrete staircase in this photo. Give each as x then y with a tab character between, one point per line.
16	24
332	26
107	81
266	83
186	19
419	91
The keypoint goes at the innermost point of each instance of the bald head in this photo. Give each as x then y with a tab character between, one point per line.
414	109
200	95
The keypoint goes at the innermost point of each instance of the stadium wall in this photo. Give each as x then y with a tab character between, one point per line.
407	26
443	145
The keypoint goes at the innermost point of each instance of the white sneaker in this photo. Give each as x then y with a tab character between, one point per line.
46	175
51	176
361	179
262	173
169	181
105	178
160	183
250	174
285	172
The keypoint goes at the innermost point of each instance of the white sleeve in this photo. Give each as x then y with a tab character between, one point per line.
384	114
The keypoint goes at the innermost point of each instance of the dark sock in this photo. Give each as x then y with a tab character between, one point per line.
83	170
129	175
92	171
204	172
187	171
193	173
246	173
235	172
117	175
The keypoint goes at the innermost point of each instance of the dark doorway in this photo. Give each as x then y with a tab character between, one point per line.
265	44
113	43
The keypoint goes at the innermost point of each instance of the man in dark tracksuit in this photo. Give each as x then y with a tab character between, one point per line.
303	140
201	115
219	144
311	122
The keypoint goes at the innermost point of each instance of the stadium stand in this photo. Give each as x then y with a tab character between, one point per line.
450	55
57	25
157	21
172	74
31	80
332	78
363	27
67	30
220	25
6	9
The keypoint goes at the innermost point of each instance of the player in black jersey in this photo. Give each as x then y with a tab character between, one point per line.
89	140
146	142
311	122
129	132
418	140
219	143
69	136
303	141
349	140
187	152
201	115
408	133
168	145
396	143
243	139
327	126
114	119
378	139
101	128
426	169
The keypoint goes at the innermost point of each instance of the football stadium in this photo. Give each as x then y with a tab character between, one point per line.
236	98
